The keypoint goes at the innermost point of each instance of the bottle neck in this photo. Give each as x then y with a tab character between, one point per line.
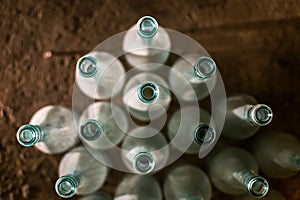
204	68
259	115
28	135
255	185
148	92
147	27
143	163
204	134
91	129
289	160
66	186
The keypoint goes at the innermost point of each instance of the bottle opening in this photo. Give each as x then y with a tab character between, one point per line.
66	186
258	187
148	92
204	134
87	66
205	67
91	130
28	135
261	114
143	163
147	27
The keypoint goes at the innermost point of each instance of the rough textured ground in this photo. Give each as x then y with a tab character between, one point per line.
256	45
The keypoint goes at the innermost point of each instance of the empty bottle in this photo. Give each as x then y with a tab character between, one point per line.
197	132
277	153
234	171
147	96
51	130
137	187
272	195
193	76
145	43
97	74
145	150
244	116
102	125
79	173
187	182
97	196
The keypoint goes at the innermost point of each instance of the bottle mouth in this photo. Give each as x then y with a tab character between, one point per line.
261	114
87	66
148	92
205	67
28	135
143	163
91	130
204	134
258	187
147	27
66	186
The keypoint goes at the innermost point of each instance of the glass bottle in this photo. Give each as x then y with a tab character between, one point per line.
272	195
145	150
147	96
137	187
51	130
145	43
196	71
198	132
97	196
234	171
187	182
244	117
98	73
277	153
102	125
79	173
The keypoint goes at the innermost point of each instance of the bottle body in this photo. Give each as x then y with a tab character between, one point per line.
244	117
136	187
97	196
198	132
102	125
97	74
272	195
187	182
145	150
234	171
146	43
277	153
191	86
89	172
147	96
54	125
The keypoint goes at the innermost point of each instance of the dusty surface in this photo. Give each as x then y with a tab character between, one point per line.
256	45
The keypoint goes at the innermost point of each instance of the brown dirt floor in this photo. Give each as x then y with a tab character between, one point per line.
255	43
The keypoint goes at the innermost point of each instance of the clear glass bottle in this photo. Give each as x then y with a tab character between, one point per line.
51	130
147	96
244	117
98	73
272	195
187	182
277	153
97	196
145	150
198	132
145	43
79	173
197	71
102	125
234	171
137	187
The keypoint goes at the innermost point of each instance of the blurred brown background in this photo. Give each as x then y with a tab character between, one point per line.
255	44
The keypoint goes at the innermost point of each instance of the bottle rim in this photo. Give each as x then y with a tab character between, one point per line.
143	163
204	134
148	92
258	187
87	66
66	186
147	22
28	135
261	114
205	67
91	129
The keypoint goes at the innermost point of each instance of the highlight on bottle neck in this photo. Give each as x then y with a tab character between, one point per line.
66	186
260	115
28	135
87	66
147	27
204	134
257	186
91	129
148	92
204	67
143	163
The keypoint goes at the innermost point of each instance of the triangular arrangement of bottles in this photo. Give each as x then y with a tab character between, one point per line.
145	150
